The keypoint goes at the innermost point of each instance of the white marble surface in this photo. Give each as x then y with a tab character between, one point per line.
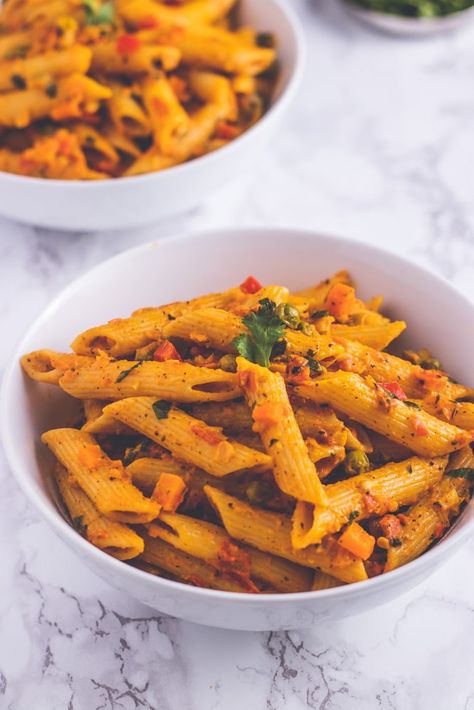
380	147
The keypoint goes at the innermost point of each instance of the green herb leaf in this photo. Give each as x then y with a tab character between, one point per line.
79	525
161	408
266	328
243	344
411	404
352	516
467	473
125	373
97	14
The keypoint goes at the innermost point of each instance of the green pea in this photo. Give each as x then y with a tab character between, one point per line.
356	462
289	315
228	363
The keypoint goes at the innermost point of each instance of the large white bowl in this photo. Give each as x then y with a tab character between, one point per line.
180	268
132	201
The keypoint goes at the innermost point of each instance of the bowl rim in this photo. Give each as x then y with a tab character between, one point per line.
275	109
56	520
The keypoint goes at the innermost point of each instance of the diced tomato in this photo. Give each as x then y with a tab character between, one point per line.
235	563
419	426
439	529
166	351
207	434
395	389
127	44
250	285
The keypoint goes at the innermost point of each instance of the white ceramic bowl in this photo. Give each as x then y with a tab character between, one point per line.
133	201
185	267
409	26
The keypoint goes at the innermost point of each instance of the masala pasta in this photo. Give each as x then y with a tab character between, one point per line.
258	440
95	89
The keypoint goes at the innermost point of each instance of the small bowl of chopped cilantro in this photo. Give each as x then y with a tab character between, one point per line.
412	17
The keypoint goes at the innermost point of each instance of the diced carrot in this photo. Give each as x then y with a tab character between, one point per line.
127	43
268	414
211	436
357	541
394	388
90	456
166	351
250	285
169	492
340	301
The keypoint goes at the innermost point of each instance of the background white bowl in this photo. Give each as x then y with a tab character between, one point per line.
133	201
438	317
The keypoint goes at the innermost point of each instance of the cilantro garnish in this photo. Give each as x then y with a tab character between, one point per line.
161	408
352	516
467	473
266	328
124	373
408	403
97	14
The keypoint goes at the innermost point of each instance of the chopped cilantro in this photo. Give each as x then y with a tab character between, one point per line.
97	14
125	373
314	366
352	516
266	328
411	404
396	542
161	408
467	473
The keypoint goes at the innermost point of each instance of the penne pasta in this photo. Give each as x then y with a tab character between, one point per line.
187	438
413	428
114	538
271	532
173	380
102	480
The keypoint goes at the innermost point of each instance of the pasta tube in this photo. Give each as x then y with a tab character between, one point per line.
187	438
102	480
354	397
427	520
186	568
377	336
173	380
271	532
113	538
44	66
274	420
49	366
213	545
373	493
